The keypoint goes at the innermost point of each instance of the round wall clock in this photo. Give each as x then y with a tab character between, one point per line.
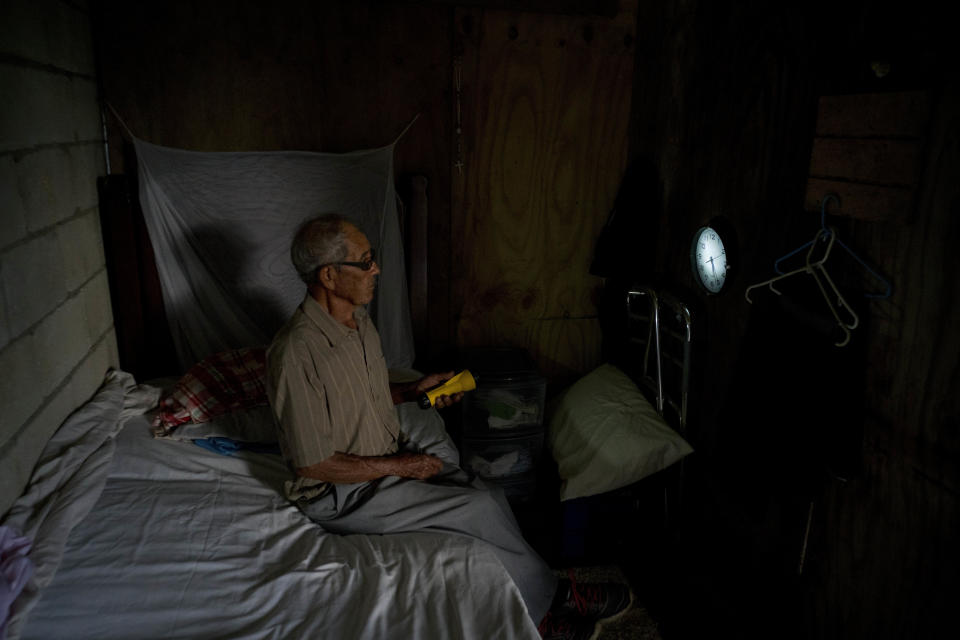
708	258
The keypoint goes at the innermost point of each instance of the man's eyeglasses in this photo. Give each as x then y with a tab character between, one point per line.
365	264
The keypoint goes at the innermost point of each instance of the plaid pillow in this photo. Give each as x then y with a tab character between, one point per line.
219	384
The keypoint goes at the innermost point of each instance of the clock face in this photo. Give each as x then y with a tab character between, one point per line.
709	259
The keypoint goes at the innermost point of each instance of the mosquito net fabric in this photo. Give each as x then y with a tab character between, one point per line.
221	225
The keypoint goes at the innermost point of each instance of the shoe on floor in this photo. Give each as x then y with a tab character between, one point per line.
594	600
565	625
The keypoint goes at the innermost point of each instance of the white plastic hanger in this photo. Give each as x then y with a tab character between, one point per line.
816	269
823	225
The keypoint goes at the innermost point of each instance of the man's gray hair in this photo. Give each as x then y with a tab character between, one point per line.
319	241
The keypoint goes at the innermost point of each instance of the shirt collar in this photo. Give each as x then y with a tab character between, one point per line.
333	330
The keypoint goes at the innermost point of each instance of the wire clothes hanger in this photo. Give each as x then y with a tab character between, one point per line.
818	271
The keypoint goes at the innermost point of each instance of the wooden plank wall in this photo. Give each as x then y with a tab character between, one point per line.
726	107
884	544
545	110
719	102
289	75
545	104
868	152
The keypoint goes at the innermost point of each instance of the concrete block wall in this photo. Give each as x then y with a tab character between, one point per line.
56	326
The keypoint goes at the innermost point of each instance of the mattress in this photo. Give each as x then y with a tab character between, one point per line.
181	542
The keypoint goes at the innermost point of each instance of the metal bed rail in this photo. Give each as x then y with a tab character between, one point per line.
643	331
661	326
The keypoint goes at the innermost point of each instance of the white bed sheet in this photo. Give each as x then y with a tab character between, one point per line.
186	543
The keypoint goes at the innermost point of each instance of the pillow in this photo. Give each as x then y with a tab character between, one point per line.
604	435
254	425
226	394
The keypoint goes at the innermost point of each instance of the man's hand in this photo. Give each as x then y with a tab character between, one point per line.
428	382
416	465
411	391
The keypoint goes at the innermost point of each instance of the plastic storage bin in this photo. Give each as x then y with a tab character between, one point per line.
510	394
502	427
503	459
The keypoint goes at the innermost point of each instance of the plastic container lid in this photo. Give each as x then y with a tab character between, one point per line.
500	365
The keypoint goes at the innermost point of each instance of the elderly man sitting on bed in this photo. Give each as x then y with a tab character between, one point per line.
327	383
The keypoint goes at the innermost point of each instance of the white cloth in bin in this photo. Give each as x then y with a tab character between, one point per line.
508	409
501	466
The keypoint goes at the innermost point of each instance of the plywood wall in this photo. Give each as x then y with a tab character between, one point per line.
545	104
516	199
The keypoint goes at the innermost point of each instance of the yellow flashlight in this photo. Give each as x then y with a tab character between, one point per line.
463	381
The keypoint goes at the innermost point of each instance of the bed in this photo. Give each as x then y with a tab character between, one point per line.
180	542
160	538
136	536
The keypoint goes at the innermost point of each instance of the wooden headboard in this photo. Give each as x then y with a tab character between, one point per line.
143	336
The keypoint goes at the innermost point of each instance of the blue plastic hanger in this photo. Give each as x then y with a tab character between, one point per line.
817	270
826	233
